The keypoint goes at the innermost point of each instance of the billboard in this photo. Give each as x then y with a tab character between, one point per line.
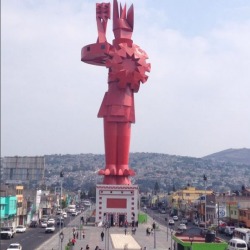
23	169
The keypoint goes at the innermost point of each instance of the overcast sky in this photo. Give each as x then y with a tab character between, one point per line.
195	102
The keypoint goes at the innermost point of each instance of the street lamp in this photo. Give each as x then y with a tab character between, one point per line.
106	227
171	231
191	238
61	237
154	227
205	210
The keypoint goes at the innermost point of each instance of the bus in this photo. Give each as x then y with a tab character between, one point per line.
244	234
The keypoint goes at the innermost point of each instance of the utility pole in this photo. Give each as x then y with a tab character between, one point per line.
205	210
60	202
154	227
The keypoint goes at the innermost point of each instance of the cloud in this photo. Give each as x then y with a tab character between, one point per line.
194	103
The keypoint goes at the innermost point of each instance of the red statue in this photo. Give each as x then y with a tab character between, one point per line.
127	67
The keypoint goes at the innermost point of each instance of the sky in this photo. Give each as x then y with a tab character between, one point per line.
196	101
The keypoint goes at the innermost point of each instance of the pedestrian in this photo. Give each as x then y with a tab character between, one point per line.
73	241
125	230
87	247
102	235
77	235
96	248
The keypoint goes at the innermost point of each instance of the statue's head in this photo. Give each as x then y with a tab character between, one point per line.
123	21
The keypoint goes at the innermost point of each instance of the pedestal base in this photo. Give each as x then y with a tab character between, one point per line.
117	204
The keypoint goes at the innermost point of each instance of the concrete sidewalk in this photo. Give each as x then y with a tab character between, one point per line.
116	235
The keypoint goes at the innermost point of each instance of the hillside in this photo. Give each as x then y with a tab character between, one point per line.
241	156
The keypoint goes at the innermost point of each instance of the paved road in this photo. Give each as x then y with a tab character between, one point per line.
31	239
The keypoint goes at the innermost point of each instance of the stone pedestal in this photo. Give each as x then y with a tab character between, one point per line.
117	204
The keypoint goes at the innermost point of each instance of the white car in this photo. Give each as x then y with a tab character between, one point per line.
20	229
64	214
182	227
14	246
50	228
51	221
175	218
44	223
171	222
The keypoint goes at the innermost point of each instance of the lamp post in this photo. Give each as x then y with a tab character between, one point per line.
191	238
106	236
154	227
205	210
171	231
61	237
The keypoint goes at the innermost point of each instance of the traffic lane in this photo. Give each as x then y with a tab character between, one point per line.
31	239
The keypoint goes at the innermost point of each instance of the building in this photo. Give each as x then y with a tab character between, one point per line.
24	170
8	207
187	196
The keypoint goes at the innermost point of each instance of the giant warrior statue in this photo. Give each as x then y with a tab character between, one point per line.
127	67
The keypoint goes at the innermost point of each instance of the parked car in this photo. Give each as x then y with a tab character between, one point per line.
182	227
14	246
7	232
171	222
50	228
229	230
33	223
184	221
20	229
175	218
64	214
43	223
201	224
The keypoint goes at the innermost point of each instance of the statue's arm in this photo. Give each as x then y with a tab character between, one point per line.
97	53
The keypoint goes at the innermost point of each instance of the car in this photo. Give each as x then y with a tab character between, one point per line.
196	222
50	228
43	223
171	222
182	227
175	218
20	229
14	246
163	211
184	221
74	213
33	223
60	221
229	230
7	232
51	221
64	214
202	224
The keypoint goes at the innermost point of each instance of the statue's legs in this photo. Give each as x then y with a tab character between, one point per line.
117	143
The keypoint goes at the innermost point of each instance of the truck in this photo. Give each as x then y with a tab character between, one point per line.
7	232
71	208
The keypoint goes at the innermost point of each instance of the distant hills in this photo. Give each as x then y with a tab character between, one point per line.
241	156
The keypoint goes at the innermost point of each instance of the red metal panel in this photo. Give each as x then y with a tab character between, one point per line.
116	203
